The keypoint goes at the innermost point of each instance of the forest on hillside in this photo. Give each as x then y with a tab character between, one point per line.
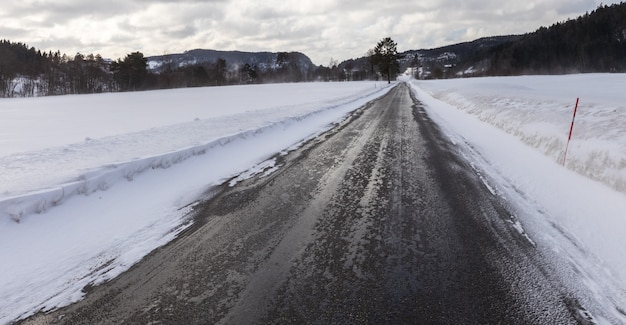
593	42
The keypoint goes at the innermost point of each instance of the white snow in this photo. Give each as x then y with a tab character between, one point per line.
90	184
538	110
514	129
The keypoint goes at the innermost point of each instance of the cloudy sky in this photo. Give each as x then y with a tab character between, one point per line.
322	29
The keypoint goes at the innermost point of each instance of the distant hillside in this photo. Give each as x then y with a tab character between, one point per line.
594	42
433	62
436	62
213	68
264	61
466	49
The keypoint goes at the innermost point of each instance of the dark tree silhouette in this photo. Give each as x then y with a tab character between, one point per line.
594	42
386	57
131	72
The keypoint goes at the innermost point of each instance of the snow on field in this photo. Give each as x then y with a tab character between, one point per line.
90	184
515	129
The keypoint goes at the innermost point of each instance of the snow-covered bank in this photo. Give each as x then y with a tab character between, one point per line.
538	110
56	147
139	159
576	221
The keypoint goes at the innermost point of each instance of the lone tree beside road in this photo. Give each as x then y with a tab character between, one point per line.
386	57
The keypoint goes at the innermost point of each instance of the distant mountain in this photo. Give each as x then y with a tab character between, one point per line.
434	62
594	42
262	60
465	49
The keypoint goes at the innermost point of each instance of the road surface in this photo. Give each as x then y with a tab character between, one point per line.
378	221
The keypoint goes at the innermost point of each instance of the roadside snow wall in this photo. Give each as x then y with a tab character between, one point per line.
538	110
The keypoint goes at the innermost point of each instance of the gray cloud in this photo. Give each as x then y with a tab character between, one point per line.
320	28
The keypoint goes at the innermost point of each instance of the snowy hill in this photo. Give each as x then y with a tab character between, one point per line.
263	60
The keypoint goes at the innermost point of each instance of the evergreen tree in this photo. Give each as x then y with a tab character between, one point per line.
131	72
386	58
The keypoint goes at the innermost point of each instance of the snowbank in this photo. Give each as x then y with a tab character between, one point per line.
102	178
505	127
538	110
157	135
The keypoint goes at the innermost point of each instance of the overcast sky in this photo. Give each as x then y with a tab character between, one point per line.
322	29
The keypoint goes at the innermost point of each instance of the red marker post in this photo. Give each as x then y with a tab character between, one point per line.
571	128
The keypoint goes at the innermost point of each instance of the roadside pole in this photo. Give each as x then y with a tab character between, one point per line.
571	128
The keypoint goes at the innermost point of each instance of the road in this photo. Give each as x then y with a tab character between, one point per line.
378	221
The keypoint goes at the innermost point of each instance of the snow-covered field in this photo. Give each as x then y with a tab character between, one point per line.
90	184
514	129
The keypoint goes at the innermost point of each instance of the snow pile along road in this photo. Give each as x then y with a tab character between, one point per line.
85	144
90	184
538	110
514	131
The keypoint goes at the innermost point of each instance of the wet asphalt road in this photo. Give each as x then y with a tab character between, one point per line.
378	221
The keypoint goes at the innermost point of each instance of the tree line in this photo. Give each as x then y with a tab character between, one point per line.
27	72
